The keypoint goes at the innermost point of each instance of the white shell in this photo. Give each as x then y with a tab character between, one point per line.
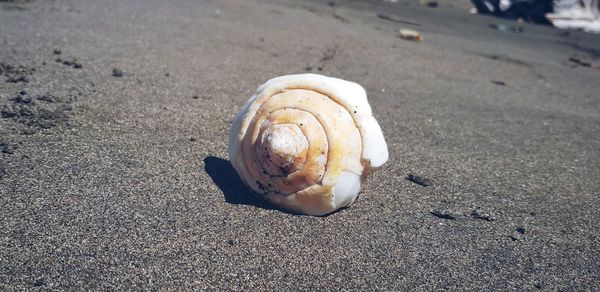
306	142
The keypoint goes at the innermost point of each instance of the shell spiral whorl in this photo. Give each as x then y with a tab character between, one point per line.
305	142
281	149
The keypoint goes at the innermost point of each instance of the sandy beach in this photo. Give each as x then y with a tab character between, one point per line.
114	172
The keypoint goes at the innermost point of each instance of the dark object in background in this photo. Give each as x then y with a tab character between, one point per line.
432	4
442	215
579	62
117	73
71	63
425	182
528	10
584	63
16	73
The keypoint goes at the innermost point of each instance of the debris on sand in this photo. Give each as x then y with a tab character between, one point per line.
410	35
71	63
15	1
47	98
584	63
498	82
393	19
39	283
117	73
15	74
340	18
432	4
22	100
505	28
18	5
48	113
482	216
7	148
422	181
442	215
17	79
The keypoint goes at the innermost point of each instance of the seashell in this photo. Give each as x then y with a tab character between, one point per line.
306	142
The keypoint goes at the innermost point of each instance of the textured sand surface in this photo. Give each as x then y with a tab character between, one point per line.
113	148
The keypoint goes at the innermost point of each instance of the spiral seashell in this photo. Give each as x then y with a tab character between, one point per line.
306	142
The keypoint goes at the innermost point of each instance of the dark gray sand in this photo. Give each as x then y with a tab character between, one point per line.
113	139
